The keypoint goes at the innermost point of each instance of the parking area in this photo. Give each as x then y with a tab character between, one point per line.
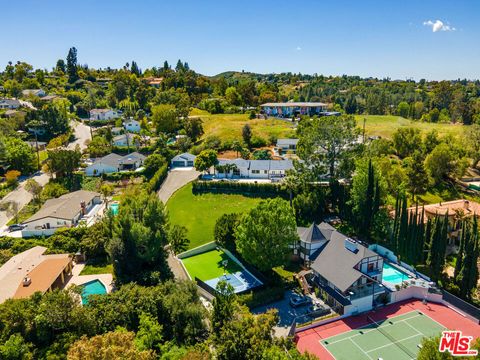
288	314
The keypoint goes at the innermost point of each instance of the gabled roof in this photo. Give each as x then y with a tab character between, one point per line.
110	159
336	261
315	233
99	111
287	142
259	164
123	137
184	157
10	102
65	207
132	158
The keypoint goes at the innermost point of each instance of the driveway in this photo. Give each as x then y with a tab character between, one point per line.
176	178
82	134
20	196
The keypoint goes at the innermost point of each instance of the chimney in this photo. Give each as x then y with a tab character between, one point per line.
26	281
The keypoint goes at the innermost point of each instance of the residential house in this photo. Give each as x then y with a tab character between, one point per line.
117	130
153	81
112	163
125	140
347	273
183	160
287	145
33	92
132	125
9	104
104	114
253	169
289	109
31	271
63	212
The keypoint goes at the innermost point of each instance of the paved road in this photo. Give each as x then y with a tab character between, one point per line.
176	178
20	196
82	134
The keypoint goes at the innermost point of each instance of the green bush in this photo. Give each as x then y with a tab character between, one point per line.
157	179
247	189
261	297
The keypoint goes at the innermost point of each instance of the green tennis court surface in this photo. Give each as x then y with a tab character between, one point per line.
391	339
209	265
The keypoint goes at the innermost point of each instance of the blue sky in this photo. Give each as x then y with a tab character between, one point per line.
367	38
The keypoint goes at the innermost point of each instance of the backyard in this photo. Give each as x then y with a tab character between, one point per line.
209	265
385	125
198	213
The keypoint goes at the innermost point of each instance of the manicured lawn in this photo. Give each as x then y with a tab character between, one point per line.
209	265
229	126
385	125
95	269
198	213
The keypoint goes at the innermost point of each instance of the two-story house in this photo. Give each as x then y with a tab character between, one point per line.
347	273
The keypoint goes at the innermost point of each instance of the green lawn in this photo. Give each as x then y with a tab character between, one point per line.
198	213
229	126
95	269
209	265
385	125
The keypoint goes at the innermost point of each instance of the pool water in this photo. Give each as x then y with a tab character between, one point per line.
114	208
392	275
94	287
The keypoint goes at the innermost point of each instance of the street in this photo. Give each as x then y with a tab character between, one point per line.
82	134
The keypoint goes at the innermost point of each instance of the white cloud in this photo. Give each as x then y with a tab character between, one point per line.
298	48
438	25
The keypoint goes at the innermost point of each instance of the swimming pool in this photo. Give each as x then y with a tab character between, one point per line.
94	287
392	275
114	208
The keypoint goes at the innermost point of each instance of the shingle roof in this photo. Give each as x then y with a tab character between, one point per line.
132	158
110	159
259	164
65	207
184	156
336	263
99	111
315	233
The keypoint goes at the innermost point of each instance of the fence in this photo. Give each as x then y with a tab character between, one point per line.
201	284
462	305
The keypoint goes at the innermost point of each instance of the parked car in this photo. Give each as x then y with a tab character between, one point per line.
317	310
297	300
16	227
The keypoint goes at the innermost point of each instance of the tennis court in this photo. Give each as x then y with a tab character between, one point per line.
396	338
215	265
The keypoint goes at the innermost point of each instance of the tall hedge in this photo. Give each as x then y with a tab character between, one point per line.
247	189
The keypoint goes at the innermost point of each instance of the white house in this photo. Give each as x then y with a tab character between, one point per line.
253	169
286	145
183	160
33	92
132	125
63	212
125	140
9	104
104	114
112	163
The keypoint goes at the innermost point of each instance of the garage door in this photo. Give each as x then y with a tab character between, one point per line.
179	163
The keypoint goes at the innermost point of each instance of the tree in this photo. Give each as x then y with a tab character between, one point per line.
247	134
417	178
72	70
15	348
34	188
327	144
224	306
265	235
237	146
60	66
193	128
177	237
472	140
351	104
403	109
99	146
232	96
119	344
438	246
406	141
468	275
205	160
224	232
440	162
164	118
149	335
429	350
152	163
11	177
20	156
63	162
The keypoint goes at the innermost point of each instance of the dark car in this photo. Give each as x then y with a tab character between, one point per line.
317	310
297	300
16	227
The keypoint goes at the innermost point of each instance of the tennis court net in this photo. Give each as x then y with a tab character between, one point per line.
391	338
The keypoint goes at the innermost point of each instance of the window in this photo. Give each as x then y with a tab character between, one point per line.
255	171
370	267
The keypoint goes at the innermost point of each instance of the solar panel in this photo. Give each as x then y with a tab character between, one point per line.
351	245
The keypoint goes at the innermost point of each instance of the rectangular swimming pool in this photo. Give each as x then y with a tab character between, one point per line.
392	275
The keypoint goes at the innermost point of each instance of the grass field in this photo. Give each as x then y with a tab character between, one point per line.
385	125
209	265
229	126
198	213
95	269
395	338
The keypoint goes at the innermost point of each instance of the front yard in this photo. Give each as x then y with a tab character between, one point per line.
198	213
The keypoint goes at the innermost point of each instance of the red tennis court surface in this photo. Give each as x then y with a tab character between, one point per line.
309	340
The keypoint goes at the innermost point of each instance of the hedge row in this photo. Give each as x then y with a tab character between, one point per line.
247	189
121	175
158	178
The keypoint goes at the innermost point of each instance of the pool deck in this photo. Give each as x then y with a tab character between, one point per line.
77	279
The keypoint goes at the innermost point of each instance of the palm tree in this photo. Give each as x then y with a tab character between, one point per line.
291	183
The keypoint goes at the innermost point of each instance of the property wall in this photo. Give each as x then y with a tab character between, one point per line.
43	232
100	169
198	250
416	292
360	305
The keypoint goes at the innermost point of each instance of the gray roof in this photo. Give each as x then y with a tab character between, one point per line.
259	164
295	104
115	159
65	207
287	142
315	233
10	102
184	157
132	158
336	263
281	164
123	136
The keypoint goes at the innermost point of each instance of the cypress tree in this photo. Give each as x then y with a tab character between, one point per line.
460	255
